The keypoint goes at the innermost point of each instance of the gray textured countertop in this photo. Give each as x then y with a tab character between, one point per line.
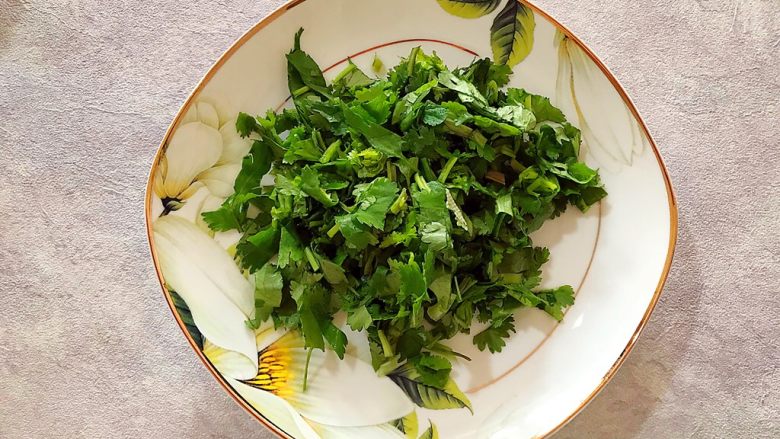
87	89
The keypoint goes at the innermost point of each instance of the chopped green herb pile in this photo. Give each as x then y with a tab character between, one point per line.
405	203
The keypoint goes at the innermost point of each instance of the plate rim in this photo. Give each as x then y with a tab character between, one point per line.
279	11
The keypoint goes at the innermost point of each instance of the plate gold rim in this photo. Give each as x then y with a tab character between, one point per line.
671	198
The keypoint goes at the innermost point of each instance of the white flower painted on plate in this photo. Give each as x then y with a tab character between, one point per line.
341	395
611	134
220	298
204	151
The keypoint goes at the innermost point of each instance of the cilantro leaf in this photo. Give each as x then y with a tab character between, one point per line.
539	105
231	215
373	201
384	140
310	184
304	72
268	293
493	338
359	319
259	248
434	115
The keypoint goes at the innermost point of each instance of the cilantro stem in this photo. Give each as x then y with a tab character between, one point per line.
317	137
506	150
421	183
457	288
315	265
400	203
516	166
458	130
306	369
333	230
459	355
368	264
391	171
445	172
347	70
426	169
412	60
387	349
477	136
330	152
303	90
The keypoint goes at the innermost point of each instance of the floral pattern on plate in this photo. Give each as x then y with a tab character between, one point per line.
214	298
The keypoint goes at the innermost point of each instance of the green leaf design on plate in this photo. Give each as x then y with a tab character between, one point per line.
186	316
431	433
469	8
429	397
512	33
407	425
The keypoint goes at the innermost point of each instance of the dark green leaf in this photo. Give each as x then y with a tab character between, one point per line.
231	215
430	397
382	139
512	34
303	71
186	316
253	168
469	8
336	338
259	248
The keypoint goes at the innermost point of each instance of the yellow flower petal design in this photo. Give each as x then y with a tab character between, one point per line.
230	363
281	370
220	179
235	147
193	148
190	191
276	366
208	280
158	183
329	380
276	410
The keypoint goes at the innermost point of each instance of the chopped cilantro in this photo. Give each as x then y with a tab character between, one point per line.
405	203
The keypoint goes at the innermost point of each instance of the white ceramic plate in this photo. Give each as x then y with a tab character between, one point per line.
617	255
